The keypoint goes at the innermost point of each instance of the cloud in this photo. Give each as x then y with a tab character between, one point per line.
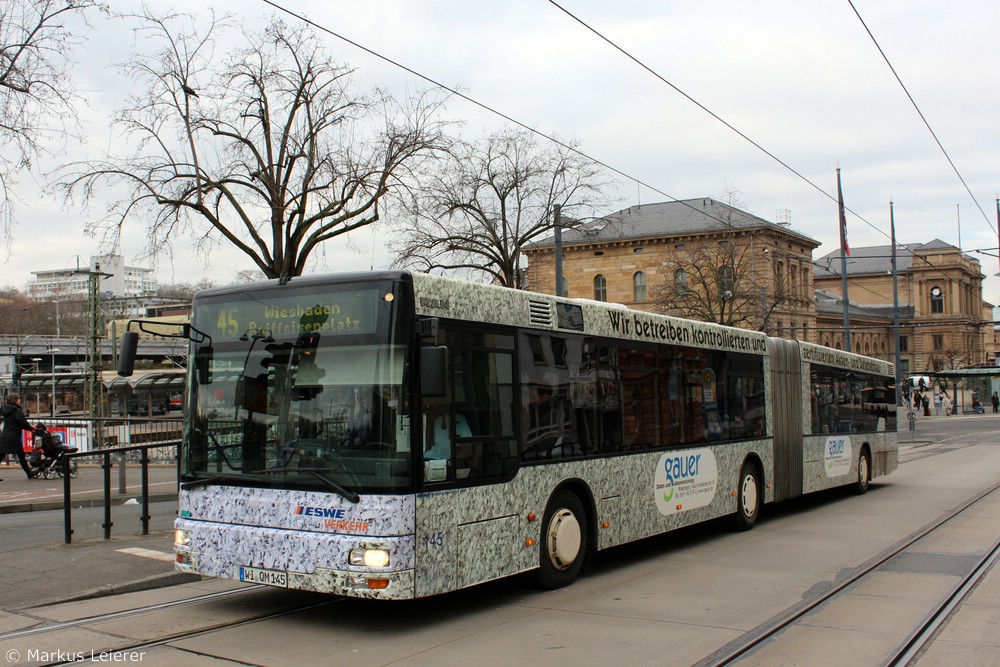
803	80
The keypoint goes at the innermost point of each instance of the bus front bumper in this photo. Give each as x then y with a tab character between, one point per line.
295	559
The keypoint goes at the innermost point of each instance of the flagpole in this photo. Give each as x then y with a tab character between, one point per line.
895	299
844	252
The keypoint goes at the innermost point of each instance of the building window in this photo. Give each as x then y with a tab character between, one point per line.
600	288
904	343
938	342
639	287
680	281
937	300
726	282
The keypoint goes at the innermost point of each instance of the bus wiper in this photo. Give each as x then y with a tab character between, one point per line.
348	495
203	481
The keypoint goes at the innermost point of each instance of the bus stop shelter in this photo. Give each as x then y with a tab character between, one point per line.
979	379
147	392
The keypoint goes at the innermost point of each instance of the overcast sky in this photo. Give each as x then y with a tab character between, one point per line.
803	80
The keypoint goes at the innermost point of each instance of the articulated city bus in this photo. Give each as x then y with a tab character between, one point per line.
395	435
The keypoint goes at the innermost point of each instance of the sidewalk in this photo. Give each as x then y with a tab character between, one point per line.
20	494
88	567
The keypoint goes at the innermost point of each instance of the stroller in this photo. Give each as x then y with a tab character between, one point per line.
46	461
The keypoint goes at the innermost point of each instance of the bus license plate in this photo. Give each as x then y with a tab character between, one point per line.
256	575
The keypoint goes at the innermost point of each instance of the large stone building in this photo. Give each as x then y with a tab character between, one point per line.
704	259
698	258
945	323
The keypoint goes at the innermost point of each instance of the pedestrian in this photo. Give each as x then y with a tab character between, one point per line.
14	424
995	400
947	405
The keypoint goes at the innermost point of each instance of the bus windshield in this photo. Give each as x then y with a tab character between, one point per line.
301	386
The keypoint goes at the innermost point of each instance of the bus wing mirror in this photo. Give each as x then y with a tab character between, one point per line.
434	371
127	353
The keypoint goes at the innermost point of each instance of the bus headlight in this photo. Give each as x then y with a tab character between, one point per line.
182	538
369	557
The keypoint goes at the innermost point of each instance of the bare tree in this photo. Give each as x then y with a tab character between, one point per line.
272	151
719	282
20	315
183	291
475	211
38	100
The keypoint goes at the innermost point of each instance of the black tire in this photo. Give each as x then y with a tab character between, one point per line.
748	497
562	544
864	473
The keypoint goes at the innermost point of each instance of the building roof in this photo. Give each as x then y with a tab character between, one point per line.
666	219
830	303
872	260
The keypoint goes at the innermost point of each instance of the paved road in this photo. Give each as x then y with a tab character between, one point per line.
669	600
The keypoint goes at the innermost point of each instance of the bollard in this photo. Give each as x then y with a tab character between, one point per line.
122	481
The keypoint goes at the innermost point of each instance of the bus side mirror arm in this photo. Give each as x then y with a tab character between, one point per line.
130	345
434	371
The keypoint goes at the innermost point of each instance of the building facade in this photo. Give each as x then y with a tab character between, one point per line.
118	280
703	259
695	258
944	322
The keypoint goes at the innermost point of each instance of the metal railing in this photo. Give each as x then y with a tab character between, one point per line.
159	438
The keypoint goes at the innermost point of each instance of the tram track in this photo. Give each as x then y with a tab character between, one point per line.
138	648
127	613
770	631
71	654
927	630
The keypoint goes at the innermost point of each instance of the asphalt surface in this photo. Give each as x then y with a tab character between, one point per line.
41	569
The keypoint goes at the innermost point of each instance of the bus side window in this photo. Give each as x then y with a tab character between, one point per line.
468	432
483	400
438	446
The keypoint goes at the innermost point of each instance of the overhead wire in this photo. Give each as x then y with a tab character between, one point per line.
921	114
454	91
701	106
485	107
661	78
471	100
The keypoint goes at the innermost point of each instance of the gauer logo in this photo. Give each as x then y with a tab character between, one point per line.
685	480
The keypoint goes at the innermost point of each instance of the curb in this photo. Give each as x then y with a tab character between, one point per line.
15	508
148	583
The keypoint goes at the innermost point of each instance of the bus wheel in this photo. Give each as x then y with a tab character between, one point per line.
864	473
747	498
563	541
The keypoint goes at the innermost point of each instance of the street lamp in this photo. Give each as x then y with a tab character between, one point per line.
52	351
58	328
38	406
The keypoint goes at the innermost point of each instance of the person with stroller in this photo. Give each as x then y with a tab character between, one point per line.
14	425
51	448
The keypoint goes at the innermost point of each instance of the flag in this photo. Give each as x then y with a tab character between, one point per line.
843	218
